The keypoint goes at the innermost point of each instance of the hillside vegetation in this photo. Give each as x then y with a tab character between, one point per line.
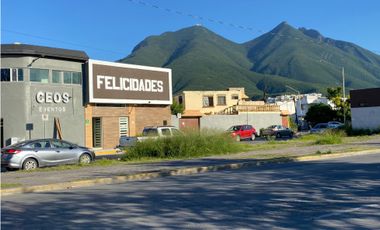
300	58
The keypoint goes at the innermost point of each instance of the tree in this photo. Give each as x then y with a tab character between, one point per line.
342	104
320	113
176	108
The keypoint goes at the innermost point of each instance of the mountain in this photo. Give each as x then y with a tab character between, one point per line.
300	58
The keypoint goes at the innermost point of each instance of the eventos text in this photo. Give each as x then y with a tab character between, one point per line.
129	84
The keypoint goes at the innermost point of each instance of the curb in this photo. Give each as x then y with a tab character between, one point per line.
170	172
107	152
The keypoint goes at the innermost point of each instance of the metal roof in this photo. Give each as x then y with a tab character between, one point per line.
42	51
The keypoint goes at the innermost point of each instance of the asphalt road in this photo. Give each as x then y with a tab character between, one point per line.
334	194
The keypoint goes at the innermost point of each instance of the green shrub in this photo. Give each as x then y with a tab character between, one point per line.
191	144
361	132
330	137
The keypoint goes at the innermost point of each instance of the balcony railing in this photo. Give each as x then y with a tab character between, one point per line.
236	109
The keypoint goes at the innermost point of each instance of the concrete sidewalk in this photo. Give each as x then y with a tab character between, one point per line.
87	176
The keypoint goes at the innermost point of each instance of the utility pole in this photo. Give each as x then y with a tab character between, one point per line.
295	99
344	96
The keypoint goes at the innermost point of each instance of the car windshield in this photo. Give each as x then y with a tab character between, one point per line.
31	144
320	126
165	132
150	132
234	128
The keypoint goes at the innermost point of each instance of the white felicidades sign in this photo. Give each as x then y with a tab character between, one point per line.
129	84
119	83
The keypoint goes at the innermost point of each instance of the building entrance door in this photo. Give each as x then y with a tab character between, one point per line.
97	132
189	123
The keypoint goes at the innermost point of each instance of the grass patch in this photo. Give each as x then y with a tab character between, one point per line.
323	153
189	145
361	132
10	185
330	137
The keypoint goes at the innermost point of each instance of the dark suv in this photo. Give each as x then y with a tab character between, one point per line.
240	132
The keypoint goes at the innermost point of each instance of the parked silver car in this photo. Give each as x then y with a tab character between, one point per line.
32	154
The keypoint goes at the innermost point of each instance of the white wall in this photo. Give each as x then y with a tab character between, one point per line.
257	120
365	118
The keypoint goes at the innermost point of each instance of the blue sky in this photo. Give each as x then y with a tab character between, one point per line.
110	29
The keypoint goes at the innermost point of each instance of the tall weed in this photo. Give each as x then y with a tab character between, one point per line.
191	144
330	137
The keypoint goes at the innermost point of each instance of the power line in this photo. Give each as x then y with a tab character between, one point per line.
190	15
221	22
60	41
172	11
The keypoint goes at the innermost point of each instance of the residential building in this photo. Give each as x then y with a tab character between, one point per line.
221	109
303	103
211	102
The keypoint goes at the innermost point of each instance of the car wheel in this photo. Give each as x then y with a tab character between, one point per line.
253	136
85	159
278	135
30	164
238	138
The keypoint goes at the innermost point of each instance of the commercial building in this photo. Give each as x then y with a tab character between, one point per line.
365	108
47	92
124	98
41	86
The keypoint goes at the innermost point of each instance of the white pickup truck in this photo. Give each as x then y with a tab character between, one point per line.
150	132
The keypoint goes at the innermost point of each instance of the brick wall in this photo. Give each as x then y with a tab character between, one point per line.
110	123
139	117
151	115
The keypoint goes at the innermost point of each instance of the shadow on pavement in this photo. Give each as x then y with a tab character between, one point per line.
307	195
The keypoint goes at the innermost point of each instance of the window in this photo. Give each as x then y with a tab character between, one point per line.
72	78
77	78
247	127
56	76
96	132
150	132
12	74
165	132
180	100
235	97
39	75
20	75
5	75
67	78
61	144
222	100
208	101
123	126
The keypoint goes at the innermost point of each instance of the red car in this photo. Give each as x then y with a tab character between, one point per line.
240	132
